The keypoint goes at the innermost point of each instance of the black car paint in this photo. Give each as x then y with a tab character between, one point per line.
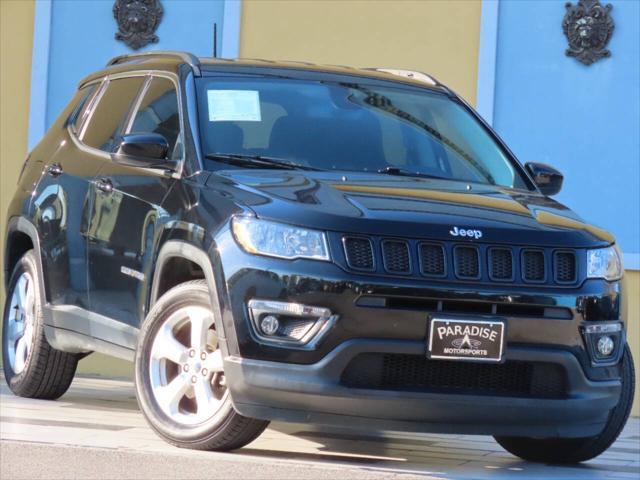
86	232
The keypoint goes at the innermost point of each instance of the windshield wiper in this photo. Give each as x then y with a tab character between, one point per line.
256	161
401	172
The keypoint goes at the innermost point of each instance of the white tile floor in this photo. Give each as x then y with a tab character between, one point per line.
100	413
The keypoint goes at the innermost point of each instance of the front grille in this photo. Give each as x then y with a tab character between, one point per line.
359	252
500	264
462	261
416	373
432	259
565	267
466	262
533	269
395	254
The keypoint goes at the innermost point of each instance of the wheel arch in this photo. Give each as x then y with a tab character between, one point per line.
22	236
182	251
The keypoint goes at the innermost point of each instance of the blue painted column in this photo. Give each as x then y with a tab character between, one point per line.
231	31
39	71
487	59
74	38
582	119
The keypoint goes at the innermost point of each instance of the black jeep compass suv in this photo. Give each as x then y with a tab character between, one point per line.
286	241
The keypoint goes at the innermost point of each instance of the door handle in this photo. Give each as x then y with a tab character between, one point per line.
55	169
104	185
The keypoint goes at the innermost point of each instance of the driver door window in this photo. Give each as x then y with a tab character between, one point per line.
158	113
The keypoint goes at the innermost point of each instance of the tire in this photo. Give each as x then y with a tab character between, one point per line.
576	450
32	367
174	413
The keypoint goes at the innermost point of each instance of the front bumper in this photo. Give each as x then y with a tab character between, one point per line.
313	393
304	385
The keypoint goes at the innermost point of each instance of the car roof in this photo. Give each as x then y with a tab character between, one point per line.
379	73
171	61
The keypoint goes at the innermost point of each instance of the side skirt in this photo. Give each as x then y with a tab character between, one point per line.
76	330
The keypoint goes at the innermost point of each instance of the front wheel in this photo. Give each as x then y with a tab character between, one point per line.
575	450
180	381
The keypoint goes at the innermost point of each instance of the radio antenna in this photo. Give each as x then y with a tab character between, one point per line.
215	40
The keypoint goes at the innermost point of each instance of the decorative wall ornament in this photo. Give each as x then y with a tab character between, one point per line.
137	21
588	27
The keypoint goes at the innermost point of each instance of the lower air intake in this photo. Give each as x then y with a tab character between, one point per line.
415	373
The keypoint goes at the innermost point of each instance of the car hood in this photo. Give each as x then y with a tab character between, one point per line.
389	205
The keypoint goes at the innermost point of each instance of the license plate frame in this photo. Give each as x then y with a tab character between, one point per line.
448	344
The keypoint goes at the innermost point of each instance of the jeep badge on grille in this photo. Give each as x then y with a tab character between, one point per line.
462	232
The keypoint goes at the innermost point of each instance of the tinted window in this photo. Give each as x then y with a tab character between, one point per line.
158	113
110	112
79	113
350	127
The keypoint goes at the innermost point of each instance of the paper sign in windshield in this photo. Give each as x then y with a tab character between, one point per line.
234	105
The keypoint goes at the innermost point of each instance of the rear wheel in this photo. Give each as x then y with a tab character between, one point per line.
575	450
32	368
180	381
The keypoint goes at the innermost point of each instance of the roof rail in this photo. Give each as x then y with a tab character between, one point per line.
420	76
186	57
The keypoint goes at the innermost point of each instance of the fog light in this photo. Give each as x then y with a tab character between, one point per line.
605	345
269	325
289	324
604	342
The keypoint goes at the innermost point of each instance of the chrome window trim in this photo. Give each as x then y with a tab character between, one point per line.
77	139
133	111
82	113
92	105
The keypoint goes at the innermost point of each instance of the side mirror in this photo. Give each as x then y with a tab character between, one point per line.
143	150
548	179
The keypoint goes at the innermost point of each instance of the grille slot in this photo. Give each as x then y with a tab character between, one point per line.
432	259
416	373
564	266
469	307
395	255
359	253
467	262
533	269
500	264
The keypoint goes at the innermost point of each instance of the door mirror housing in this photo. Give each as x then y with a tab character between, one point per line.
547	179
143	150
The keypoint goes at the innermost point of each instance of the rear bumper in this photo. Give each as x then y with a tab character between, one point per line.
314	393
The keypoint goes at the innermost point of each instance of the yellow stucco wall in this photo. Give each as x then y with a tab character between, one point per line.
16	43
632	314
439	37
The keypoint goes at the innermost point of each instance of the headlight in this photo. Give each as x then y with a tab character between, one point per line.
604	263
279	240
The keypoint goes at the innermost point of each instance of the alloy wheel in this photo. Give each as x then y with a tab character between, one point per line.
20	322
186	369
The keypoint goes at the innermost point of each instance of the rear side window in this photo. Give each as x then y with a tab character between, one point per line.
110	112
159	113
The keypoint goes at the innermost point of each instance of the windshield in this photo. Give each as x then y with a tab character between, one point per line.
348	127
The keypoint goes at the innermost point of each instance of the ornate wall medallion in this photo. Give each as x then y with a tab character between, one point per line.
137	21
588	27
